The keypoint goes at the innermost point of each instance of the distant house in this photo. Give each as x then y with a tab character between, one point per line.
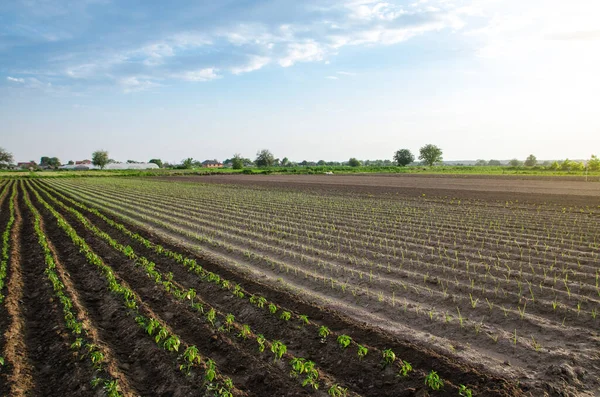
212	164
84	162
27	165
80	166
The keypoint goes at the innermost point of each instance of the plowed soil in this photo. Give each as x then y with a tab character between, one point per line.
557	190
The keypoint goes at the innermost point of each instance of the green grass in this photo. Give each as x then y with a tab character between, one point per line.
439	170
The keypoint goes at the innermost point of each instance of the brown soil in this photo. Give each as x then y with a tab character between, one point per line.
367	380
150	370
499	188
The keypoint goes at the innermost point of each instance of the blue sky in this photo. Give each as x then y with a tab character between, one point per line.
306	79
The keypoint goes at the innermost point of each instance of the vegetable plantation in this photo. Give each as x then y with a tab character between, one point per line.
148	287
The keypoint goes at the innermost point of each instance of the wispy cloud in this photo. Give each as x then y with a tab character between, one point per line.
332	77
15	79
198	75
205	43
255	63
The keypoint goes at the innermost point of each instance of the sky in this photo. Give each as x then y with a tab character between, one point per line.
308	80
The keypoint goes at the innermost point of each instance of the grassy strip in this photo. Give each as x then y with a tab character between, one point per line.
216	382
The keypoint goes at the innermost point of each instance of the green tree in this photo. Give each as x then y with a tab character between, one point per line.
593	164
430	154
403	157
157	162
285	162
187	163
100	158
515	163
354	162
264	158
237	162
50	162
495	163
321	163
6	158
481	163
531	161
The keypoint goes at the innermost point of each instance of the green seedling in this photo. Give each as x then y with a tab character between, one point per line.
464	391
245	332
433	381
304	319
278	349
260	339
405	368
211	371
172	343
337	391
324	332
210	316
388	357
229	320
285	316
344	341
362	352
272	308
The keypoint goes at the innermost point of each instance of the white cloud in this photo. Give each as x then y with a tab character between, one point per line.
15	79
255	63
302	52
206	74
312	34
135	84
347	73
332	77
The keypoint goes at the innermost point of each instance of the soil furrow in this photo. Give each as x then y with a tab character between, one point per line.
324	354
150	370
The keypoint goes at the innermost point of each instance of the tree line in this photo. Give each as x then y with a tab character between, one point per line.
429	155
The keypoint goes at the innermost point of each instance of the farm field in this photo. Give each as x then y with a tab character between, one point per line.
266	285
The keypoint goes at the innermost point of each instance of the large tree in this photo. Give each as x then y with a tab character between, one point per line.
237	162
187	163
6	158
531	161
354	162
264	158
430	154
50	162
157	162
593	164
100	158
403	157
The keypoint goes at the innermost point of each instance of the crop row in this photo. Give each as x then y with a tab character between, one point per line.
227	320
155	328
504	266
519	310
82	343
